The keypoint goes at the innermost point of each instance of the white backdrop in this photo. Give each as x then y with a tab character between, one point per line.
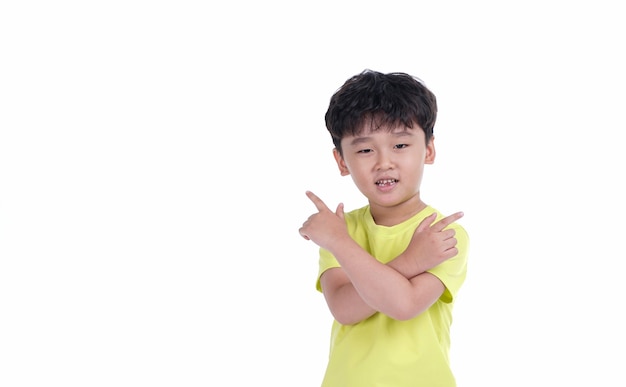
154	158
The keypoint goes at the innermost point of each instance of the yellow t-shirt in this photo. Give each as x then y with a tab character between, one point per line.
381	351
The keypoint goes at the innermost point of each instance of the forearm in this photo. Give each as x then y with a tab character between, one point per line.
384	288
344	302
401	289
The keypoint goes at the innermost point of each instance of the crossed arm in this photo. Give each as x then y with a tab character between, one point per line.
362	286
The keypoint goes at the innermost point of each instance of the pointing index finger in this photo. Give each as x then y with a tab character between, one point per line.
448	220
319	204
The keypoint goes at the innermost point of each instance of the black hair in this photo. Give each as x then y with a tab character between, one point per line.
388	100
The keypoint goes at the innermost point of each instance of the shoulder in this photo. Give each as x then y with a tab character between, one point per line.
358	215
460	230
462	239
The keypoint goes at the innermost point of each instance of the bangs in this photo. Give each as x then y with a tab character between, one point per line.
374	122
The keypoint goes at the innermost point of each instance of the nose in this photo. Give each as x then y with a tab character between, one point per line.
384	161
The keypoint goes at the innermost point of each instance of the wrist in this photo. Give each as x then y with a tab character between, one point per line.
341	245
406	265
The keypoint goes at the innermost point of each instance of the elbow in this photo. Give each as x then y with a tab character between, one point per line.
346	322
399	312
405	311
402	315
345	318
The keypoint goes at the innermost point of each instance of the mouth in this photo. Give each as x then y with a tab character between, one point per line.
386	182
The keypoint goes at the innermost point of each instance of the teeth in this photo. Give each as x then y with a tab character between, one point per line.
386	181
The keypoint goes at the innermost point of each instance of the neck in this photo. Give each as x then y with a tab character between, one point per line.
396	214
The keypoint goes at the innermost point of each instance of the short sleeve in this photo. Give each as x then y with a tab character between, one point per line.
453	271
326	261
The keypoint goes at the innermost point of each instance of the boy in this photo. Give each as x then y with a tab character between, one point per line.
389	271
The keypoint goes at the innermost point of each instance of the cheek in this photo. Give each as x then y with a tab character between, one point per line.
359	172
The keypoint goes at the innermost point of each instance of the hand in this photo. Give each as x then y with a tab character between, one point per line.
431	244
325	228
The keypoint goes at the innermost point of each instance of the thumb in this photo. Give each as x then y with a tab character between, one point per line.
339	211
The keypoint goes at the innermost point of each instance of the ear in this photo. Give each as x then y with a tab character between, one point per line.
343	168
430	151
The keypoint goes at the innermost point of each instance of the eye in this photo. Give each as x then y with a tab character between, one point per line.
364	151
401	146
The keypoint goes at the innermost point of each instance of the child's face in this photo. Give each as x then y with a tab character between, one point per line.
386	166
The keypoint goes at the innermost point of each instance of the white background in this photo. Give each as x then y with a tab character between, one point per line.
154	158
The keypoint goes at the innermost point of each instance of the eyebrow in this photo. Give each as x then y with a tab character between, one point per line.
359	140
363	139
